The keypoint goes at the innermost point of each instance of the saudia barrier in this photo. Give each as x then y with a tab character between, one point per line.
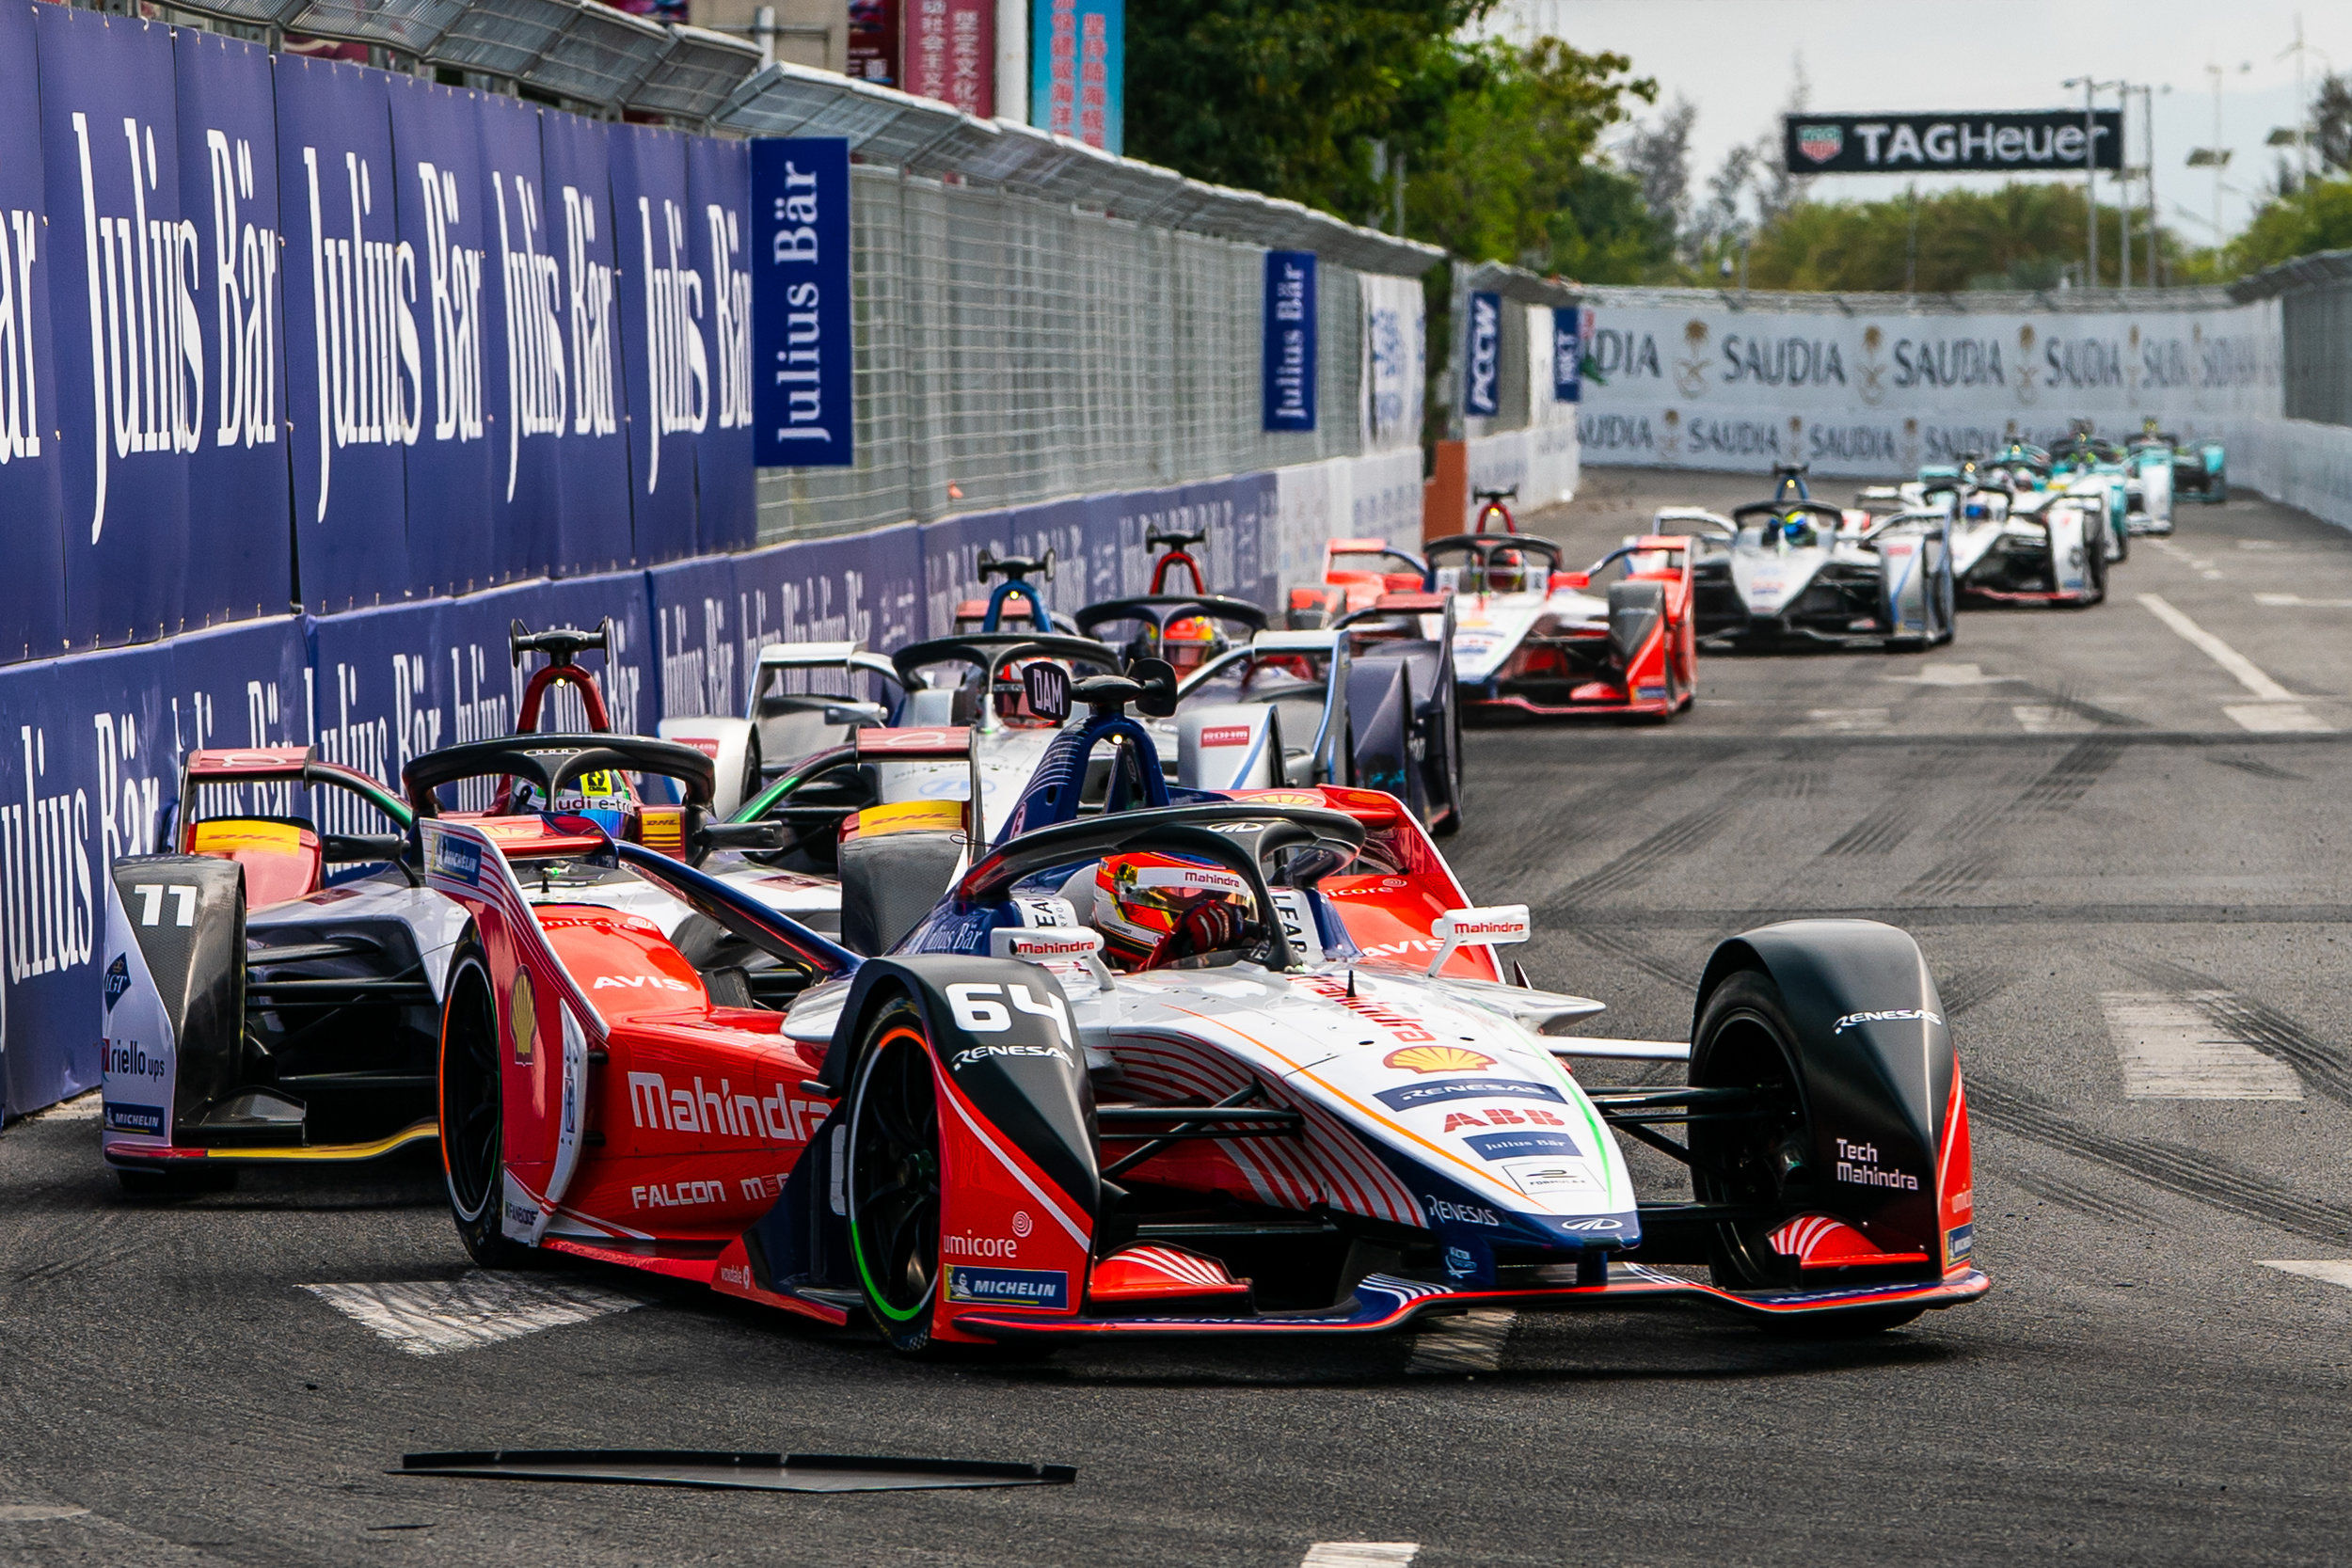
441	360
1863	387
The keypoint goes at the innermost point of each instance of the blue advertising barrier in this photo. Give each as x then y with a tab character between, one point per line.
32	551
1287	341
524	524
89	759
661	303
801	397
238	565
121	264
718	189
354	393
591	485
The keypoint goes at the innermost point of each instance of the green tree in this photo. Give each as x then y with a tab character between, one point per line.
1287	96
2317	218
2019	236
1510	176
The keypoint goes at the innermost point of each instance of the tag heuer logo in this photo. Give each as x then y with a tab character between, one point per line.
1821	143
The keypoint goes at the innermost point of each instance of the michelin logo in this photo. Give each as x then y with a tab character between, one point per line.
1894	1015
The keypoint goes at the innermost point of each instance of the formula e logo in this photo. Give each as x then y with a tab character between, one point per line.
1460	1214
117	979
1894	1015
1458	1262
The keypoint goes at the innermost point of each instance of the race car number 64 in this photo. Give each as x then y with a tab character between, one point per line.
975	1011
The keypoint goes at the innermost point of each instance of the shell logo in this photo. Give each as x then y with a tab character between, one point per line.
1437	1058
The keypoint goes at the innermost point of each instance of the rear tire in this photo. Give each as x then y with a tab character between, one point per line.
472	1111
893	1182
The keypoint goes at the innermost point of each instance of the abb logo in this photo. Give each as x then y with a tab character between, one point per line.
1502	1115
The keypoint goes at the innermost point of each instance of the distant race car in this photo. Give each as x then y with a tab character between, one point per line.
1532	637
2083	466
2201	470
2013	546
1167	1069
1793	570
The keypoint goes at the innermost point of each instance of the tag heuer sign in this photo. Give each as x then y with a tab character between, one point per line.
2010	142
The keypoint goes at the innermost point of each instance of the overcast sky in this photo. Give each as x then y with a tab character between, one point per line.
1733	59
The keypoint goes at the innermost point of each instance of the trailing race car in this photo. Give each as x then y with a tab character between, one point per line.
1357	575
2011	547
1368	701
989	614
1796	570
2201	470
1533	638
274	987
1151	1071
2092	470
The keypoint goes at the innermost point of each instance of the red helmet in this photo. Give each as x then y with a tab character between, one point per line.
1155	909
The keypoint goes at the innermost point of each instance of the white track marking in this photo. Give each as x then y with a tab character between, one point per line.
2169	1050
1359	1554
2045	719
2296	601
2335	1271
2276	718
2196	563
1848	718
1953	675
2262	544
2245	671
430	1317
1472	1342
25	1514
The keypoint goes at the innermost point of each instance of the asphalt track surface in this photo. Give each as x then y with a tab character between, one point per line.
2123	872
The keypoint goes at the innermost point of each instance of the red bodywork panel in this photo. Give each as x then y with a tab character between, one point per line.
1662	679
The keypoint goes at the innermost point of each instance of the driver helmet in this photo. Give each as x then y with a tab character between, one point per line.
1797	529
602	797
1976	511
1188	642
1156	909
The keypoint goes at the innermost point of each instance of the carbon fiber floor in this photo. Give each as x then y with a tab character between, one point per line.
2068	807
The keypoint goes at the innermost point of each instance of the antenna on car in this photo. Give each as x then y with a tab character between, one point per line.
562	644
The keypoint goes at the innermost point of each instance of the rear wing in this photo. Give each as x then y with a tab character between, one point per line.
780	657
298	766
1692	514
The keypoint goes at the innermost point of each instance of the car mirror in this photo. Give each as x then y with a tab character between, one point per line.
771	833
1046	686
1496	925
855	714
1157	679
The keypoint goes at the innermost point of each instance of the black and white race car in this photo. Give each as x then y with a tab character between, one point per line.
1793	571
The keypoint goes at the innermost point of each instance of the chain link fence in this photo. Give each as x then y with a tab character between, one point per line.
1011	350
2317	367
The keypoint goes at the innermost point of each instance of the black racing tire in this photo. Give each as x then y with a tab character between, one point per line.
893	1182
2096	567
472	1111
1745	1041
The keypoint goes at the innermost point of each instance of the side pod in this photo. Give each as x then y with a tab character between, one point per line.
1875	1065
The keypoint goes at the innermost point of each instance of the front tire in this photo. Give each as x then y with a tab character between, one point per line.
472	1111
894	1178
1745	1041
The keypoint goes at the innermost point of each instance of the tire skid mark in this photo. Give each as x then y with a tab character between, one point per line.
2080	1197
1639	954
1973	987
1978	856
2191	1173
2067	698
1676	839
2256	768
2324	1067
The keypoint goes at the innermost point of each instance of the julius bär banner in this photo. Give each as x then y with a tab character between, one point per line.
800	251
1701	385
1990	143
